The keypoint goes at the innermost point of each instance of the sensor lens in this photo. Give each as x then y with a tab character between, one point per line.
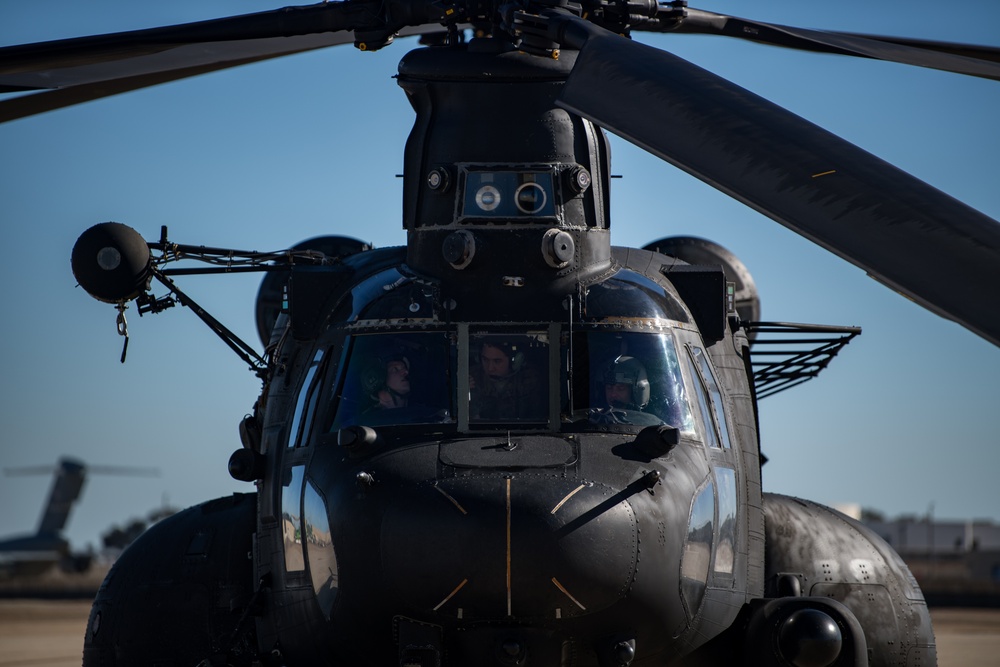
109	258
488	198
438	180
530	198
514	194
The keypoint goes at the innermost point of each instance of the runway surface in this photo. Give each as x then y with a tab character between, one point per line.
40	633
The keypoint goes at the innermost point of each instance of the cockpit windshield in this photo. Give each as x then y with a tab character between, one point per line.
627	379
509	377
479	377
395	379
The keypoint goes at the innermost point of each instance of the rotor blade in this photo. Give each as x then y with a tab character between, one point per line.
30	105
84	60
88	68
914	238
991	53
981	61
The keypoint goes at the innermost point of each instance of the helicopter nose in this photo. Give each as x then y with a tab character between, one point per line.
513	546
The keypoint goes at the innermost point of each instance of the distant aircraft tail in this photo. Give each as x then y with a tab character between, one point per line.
35	554
66	487
67	484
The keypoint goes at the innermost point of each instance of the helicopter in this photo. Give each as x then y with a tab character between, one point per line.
428	646
236	180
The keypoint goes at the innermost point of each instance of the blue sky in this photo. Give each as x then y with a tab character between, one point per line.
264	156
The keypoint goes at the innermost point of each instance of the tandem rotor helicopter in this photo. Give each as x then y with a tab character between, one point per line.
509	442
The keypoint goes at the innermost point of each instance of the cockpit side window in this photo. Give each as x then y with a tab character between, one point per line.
711	435
626	379
399	378
718	407
305	404
291	517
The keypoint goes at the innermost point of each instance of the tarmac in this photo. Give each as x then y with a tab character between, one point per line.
49	633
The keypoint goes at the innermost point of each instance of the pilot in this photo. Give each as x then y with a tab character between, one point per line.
626	385
387	382
503	385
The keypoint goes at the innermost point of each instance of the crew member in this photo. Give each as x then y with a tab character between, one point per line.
388	383
503	386
626	385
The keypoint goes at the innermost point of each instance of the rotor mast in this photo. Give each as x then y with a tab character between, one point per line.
519	203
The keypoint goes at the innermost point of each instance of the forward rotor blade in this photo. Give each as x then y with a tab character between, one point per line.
87	68
990	53
981	61
50	100
85	60
908	235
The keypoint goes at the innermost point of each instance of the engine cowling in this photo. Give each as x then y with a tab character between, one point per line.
815	551
178	594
